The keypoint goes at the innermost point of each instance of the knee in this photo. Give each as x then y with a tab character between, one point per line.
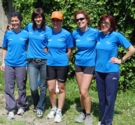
51	90
61	89
84	93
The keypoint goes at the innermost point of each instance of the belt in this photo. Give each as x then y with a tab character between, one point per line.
36	60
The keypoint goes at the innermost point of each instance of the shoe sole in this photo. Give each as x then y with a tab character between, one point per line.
10	118
39	116
20	113
78	121
57	121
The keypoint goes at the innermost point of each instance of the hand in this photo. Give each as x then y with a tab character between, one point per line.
2	67
115	60
46	49
9	27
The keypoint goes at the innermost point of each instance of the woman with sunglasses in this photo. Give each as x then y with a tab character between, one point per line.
85	42
107	65
60	44
37	59
14	66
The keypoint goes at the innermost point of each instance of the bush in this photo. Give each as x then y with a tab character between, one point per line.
124	13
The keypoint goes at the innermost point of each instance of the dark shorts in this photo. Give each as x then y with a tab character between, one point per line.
85	69
57	72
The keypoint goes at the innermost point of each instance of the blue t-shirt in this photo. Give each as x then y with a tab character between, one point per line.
37	42
85	43
106	48
58	43
16	45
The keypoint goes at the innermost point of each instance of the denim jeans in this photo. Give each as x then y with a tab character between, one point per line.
36	69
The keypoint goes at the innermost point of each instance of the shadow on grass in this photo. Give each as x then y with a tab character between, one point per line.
96	112
94	109
67	105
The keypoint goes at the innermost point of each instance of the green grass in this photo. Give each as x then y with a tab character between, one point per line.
124	107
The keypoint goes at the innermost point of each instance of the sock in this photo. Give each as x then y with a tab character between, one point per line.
87	114
54	107
59	110
83	110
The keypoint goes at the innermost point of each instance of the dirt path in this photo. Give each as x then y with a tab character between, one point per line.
29	116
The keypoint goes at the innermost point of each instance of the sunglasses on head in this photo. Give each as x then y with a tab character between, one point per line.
80	19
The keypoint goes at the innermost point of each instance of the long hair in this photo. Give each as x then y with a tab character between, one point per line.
36	12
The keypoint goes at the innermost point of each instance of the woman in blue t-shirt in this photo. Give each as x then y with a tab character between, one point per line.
14	66
85	42
107	65
59	51
37	59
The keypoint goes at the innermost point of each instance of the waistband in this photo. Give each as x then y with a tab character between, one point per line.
35	60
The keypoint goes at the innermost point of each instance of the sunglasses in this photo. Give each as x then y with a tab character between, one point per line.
105	23
79	19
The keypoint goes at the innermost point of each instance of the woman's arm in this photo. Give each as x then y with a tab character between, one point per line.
130	52
4	51
69	53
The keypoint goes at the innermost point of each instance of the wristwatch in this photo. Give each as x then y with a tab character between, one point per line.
122	60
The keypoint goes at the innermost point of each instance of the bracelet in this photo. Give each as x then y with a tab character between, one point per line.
122	60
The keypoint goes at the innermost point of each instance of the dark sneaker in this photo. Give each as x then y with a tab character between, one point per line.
39	113
81	117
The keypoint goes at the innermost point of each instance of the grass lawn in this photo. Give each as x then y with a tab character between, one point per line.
124	108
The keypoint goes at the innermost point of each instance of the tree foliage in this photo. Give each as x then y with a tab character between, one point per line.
124	13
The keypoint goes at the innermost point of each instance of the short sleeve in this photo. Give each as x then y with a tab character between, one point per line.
123	41
5	41
70	41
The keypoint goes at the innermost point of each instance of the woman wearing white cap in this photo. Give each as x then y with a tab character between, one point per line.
60	44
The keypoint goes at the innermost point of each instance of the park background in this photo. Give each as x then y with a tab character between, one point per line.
124	14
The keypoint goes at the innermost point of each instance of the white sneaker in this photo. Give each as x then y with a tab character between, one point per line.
99	123
20	111
52	113
11	115
58	117
80	118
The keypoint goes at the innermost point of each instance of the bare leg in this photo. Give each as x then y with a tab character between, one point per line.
79	78
62	95
52	93
86	81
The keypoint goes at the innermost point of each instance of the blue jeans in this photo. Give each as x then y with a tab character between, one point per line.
107	85
36	69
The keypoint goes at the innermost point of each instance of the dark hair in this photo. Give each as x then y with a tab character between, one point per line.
84	13
36	12
18	15
111	19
